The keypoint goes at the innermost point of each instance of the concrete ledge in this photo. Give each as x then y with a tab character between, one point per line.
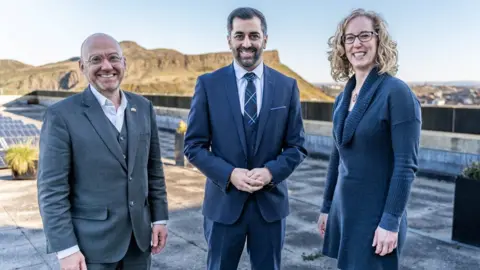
47	101
446	141
442	154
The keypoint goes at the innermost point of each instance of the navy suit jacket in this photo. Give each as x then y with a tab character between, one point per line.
215	142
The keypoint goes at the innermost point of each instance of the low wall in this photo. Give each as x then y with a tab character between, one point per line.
445	118
47	101
442	154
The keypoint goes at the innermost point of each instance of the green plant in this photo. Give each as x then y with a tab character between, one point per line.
21	158
312	256
472	171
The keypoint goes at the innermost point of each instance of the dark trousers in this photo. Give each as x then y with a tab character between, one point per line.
226	242
134	259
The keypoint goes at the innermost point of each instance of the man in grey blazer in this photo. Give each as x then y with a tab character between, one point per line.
101	185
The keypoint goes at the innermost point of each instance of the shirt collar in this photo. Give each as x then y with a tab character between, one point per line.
105	101
240	71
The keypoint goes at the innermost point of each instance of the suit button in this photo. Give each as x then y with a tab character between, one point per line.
121	138
132	203
130	179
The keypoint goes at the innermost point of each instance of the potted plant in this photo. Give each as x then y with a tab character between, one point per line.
22	159
179	143
466	206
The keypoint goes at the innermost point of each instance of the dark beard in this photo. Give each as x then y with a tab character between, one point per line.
247	63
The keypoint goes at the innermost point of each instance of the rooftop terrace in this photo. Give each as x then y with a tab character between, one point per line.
22	243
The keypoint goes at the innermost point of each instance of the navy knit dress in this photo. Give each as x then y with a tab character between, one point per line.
372	167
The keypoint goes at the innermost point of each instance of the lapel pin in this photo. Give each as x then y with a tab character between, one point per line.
133	109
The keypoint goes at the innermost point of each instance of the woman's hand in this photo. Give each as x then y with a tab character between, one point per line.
385	241
322	224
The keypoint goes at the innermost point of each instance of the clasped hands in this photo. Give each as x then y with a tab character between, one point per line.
250	180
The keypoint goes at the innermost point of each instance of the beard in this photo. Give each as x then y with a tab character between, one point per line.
250	60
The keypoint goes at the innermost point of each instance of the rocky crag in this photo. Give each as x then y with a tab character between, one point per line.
159	71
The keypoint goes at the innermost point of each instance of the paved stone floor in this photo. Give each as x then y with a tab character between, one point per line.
22	243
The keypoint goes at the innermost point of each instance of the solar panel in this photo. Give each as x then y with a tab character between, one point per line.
3	144
12	132
12	125
3	163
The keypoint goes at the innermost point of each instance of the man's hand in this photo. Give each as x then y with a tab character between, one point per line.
322	224
260	174
159	237
242	182
76	261
386	241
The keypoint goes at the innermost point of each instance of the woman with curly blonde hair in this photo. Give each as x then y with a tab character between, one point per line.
376	133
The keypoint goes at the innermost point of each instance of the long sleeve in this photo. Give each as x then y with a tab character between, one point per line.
160	222
405	127
53	183
197	141
294	151
67	252
157	191
332	171
331	180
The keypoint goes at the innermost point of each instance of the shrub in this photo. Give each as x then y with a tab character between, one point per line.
21	158
182	127
472	171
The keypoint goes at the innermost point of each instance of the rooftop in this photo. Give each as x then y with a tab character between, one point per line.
22	243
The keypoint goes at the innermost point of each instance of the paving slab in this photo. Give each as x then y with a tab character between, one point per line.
12	237
6	222
16	256
428	245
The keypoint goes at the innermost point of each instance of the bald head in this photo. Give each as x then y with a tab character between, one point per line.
102	62
98	40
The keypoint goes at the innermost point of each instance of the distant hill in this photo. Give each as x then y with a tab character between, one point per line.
8	65
160	71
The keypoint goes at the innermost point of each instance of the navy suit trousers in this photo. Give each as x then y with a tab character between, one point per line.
226	242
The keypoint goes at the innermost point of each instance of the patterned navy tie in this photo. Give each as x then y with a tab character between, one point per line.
250	103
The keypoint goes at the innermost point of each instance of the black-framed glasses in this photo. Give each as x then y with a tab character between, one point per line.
364	36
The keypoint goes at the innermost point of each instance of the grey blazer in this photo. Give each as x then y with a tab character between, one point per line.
87	194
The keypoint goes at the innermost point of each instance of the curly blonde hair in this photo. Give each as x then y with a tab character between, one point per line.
387	54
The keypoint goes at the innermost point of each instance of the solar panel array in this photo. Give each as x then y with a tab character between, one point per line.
14	132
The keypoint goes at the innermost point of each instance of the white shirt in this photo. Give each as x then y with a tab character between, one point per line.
117	118
242	84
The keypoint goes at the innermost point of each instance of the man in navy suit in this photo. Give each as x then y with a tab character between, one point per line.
245	133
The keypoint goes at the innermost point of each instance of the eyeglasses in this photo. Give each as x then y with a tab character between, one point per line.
364	36
113	59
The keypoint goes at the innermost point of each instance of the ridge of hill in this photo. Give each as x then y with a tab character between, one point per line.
149	71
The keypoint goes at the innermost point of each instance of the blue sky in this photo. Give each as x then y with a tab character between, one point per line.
437	40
